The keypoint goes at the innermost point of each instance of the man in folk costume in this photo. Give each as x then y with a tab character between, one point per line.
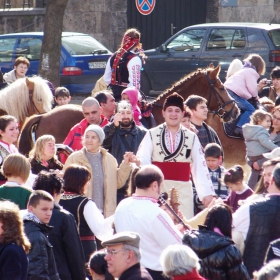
124	66
177	152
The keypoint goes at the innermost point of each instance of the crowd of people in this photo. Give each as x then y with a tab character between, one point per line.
96	213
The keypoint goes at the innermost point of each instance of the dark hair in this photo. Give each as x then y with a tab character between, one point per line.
146	176
187	112
5	120
36	196
61	92
276	175
234	174
75	177
102	96
98	264
213	150
49	182
275	73
220	216
193	100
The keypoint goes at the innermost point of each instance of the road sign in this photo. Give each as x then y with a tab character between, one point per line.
145	7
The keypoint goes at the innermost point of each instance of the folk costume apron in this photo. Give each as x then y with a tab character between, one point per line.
175	166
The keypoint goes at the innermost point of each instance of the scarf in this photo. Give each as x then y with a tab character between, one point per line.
32	217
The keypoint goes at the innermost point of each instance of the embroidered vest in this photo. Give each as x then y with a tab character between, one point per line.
121	70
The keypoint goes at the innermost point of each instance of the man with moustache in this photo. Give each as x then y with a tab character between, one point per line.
177	152
123	135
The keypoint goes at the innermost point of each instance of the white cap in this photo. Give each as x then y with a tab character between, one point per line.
273	154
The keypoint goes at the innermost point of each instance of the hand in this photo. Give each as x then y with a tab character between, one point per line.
134	159
117	119
256	166
215	201
262	84
207	199
126	157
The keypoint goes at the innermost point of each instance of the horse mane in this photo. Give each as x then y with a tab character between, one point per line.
184	79
14	99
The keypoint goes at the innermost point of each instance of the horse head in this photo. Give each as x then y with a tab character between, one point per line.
219	101
40	96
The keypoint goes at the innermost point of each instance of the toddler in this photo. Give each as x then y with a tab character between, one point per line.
131	94
257	141
234	179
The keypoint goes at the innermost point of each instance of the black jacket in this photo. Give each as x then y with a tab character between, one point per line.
118	140
41	259
13	262
136	272
273	251
219	258
67	247
36	166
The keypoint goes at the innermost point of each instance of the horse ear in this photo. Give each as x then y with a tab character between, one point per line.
215	72
27	81
211	65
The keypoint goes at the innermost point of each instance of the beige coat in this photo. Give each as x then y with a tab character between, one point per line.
114	177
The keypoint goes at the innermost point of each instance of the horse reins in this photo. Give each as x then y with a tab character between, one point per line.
221	111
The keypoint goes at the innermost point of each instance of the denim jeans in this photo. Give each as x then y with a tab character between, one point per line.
245	106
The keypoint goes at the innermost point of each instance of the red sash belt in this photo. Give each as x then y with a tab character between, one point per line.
87	238
176	171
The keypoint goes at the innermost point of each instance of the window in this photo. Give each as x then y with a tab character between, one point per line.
256	40
29	48
226	39
275	37
189	40
6	49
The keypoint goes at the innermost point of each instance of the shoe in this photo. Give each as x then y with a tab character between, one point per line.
238	132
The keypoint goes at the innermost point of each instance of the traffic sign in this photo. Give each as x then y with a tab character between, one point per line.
145	7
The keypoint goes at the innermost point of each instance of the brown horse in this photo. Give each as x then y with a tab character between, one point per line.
206	83
57	122
26	97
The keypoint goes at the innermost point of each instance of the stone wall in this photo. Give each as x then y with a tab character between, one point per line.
250	11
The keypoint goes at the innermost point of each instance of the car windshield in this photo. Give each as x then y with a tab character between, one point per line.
83	45
275	37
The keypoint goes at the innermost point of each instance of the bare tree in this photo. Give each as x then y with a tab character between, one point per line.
50	52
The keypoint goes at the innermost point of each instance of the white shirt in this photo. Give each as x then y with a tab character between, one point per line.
199	169
134	69
155	227
102	228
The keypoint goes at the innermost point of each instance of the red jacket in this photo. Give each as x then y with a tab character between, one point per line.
189	276
74	137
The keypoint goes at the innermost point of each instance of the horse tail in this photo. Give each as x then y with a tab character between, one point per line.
25	143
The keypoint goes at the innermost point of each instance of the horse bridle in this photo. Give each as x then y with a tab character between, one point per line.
31	91
221	111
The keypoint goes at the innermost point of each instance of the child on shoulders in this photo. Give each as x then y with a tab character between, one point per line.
234	179
61	96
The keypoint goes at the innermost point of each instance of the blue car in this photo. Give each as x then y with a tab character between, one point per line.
82	61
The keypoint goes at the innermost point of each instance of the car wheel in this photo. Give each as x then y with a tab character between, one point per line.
145	83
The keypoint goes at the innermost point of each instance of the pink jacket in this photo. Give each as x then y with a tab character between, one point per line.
132	93
244	83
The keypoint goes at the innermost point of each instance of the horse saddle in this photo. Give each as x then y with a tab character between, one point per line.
229	128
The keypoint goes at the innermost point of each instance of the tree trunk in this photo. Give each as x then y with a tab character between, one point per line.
51	46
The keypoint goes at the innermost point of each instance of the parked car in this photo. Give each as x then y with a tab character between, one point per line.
82	62
198	45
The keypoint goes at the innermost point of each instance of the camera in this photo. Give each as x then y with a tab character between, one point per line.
268	82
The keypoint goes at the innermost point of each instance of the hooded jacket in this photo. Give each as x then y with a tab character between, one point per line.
257	140
219	258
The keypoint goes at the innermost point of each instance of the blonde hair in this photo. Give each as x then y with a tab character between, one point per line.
12	226
257	61
16	165
178	260
40	143
258	116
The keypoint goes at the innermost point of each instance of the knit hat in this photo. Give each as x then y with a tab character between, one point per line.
98	130
124	237
174	100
